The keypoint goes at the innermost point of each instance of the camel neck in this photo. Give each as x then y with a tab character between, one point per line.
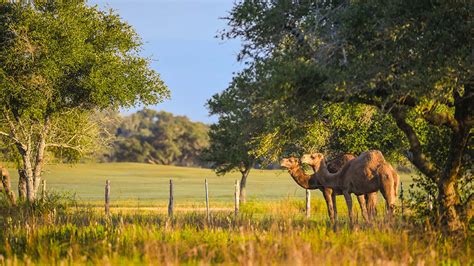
300	177
326	178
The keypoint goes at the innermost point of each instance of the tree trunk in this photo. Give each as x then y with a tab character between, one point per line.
448	194
31	147
27	169
243	182
33	165
447	180
448	198
39	158
5	176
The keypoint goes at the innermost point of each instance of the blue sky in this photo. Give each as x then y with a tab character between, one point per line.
179	37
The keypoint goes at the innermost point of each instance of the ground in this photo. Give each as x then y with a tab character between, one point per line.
270	229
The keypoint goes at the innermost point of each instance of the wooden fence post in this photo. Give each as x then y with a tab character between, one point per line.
171	201
430	202
402	199
43	191
107	197
308	203
236	197
207	200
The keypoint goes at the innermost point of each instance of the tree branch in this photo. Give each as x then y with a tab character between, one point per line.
13	135
64	146
418	159
6	135
441	119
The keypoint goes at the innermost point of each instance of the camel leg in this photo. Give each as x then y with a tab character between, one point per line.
372	205
347	197
363	207
334	204
329	203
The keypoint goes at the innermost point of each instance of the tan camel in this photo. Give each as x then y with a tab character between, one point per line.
305	181
367	202
335	165
308	182
366	174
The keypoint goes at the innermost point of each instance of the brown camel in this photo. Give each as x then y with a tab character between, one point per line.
366	174
367	202
305	181
309	182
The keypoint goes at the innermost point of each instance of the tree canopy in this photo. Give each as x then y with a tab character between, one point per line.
231	137
150	136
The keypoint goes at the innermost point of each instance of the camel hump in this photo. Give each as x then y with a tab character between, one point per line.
339	161
348	157
373	157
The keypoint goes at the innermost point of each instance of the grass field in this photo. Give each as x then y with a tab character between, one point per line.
271	229
264	233
145	184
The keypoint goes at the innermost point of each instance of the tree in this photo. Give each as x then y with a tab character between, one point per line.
59	63
231	137
160	137
409	60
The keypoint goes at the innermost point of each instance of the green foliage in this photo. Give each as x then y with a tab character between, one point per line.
422	195
238	124
53	203
57	56
298	74
334	129
159	137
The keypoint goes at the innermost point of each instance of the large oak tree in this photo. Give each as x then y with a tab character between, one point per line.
410	60
60	62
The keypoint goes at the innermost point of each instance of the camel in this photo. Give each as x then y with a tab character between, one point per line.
309	182
305	181
367	202
368	173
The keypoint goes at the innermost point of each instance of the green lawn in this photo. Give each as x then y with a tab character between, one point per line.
145	183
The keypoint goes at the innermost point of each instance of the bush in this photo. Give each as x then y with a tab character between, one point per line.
422	200
52	205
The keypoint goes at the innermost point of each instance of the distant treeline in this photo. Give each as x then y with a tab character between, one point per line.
157	137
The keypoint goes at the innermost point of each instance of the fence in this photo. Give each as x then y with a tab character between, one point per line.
171	198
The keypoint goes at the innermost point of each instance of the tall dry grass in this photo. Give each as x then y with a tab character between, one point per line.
264	233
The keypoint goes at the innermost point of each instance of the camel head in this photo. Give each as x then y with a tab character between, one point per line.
290	162
313	159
